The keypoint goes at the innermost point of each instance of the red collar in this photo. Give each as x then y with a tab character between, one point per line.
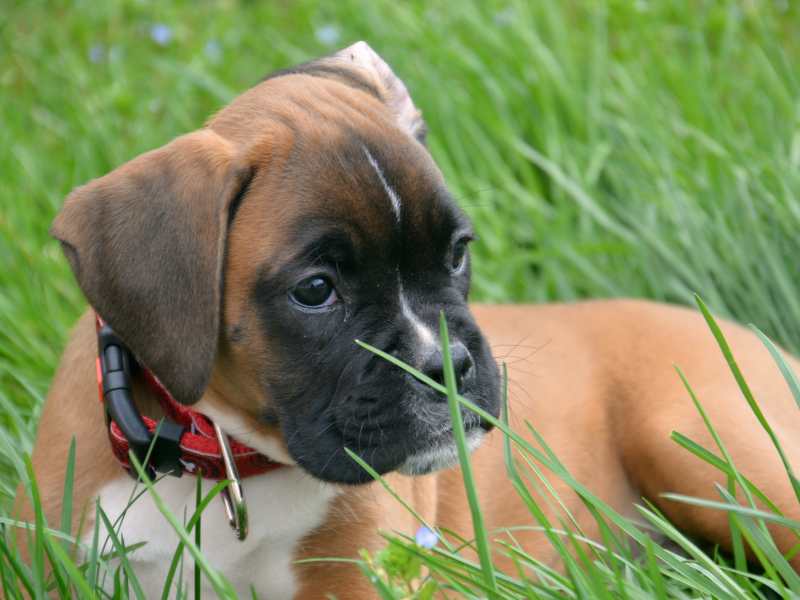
196	447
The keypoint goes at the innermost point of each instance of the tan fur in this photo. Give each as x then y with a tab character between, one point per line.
596	379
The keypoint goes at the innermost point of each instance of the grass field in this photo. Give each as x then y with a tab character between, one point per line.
603	148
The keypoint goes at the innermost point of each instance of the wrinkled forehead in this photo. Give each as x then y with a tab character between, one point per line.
365	190
371	184
380	174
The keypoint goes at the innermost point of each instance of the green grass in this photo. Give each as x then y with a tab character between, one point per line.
603	147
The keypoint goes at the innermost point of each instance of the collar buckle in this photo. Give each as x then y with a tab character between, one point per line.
161	448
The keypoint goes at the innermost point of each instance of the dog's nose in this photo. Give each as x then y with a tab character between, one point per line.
433	366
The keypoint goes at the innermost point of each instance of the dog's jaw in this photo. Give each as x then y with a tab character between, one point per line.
439	457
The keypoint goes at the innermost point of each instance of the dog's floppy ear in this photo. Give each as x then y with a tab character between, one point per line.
146	243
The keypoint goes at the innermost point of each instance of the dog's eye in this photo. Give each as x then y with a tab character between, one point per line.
458	259
315	292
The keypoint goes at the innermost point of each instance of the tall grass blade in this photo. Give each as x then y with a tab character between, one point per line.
66	499
193	523
481	539
122	554
788	373
733	476
747	393
198	500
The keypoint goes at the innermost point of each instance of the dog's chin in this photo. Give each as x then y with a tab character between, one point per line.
439	452
442	455
410	440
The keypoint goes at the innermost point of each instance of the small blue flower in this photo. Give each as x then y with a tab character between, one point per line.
426	538
161	34
213	50
505	17
328	34
97	53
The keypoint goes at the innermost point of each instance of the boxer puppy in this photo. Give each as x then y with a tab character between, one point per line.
240	262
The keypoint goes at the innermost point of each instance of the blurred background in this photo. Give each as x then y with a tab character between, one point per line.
603	147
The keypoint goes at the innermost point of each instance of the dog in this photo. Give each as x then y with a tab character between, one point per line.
238	264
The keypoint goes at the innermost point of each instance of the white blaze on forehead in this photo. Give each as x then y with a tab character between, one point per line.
424	334
393	197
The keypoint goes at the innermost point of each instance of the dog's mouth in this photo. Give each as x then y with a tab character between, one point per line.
413	437
420	455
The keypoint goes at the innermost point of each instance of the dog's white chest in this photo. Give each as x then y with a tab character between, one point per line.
283	507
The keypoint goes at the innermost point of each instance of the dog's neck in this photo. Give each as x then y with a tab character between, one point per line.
219	404
241	424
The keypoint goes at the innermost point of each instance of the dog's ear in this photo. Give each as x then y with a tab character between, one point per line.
361	67
146	243
392	90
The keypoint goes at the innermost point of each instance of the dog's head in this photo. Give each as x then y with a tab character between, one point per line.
247	257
